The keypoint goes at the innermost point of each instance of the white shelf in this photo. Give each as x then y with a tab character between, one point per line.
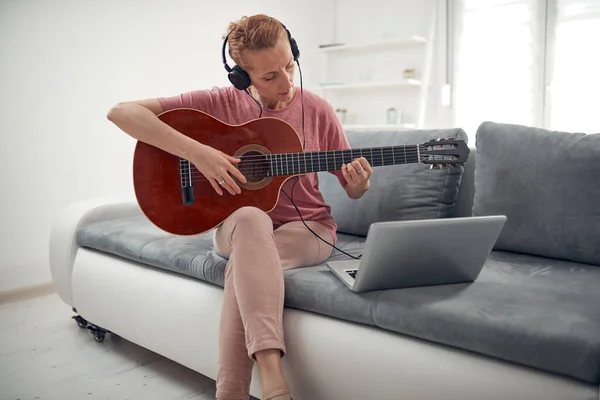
369	85
378	127
411	40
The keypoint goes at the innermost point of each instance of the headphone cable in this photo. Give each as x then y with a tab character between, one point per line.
298	178
256	101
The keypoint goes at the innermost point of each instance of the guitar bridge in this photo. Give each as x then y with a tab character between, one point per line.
187	185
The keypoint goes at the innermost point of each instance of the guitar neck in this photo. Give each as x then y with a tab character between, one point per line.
301	163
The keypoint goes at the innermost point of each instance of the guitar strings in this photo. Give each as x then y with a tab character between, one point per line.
289	164
284	160
260	164
324	154
282	157
282	165
197	176
202	178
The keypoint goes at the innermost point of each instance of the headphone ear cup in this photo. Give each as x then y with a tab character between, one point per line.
239	78
295	50
293	44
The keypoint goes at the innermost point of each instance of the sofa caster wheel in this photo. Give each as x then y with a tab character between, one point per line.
82	323
98	333
99	336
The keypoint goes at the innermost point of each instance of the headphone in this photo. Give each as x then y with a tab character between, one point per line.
240	78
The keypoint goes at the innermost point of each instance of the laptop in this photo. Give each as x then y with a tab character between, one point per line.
402	254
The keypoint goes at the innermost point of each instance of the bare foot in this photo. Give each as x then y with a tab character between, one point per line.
274	385
285	395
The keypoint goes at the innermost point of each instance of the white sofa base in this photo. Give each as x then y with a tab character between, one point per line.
328	359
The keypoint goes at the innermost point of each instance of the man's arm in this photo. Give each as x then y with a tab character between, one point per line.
357	193
354	176
139	120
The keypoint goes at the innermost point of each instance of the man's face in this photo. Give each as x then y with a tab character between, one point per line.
272	71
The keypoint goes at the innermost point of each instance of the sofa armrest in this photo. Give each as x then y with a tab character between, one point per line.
63	243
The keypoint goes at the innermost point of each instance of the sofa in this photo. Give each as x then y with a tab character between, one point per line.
527	328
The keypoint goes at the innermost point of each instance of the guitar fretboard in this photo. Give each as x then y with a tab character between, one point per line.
305	162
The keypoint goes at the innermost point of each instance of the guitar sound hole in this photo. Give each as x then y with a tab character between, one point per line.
254	166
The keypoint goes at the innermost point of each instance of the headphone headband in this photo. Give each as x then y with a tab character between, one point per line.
238	76
227	68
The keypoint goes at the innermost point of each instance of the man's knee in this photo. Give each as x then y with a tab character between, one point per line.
251	216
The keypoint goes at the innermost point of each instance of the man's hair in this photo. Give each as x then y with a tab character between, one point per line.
252	33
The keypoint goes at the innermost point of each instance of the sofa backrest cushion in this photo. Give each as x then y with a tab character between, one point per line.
548	185
398	192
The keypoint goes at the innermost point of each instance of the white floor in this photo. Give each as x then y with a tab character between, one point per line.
45	355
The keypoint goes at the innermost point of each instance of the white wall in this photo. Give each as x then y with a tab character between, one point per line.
64	63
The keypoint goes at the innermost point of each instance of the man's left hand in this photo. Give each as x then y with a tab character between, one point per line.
357	174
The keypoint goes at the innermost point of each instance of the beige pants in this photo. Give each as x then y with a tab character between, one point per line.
251	317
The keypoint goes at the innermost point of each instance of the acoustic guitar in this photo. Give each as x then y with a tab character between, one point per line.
178	199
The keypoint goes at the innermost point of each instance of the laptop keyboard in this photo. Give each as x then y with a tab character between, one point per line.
351	272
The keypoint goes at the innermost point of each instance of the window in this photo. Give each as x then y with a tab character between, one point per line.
498	58
574	67
529	62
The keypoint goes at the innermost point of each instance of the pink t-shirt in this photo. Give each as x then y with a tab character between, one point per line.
321	126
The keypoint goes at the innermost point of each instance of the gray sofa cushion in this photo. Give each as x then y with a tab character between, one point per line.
529	310
547	184
398	192
137	239
534	311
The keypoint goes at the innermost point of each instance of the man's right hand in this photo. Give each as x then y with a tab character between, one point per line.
218	168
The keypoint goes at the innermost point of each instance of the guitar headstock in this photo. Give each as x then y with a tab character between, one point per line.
444	152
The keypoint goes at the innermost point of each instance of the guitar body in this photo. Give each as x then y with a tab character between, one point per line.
157	175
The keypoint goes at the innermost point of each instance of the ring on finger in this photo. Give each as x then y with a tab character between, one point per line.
221	182
360	170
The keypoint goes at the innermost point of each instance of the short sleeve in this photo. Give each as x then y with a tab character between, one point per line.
202	100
